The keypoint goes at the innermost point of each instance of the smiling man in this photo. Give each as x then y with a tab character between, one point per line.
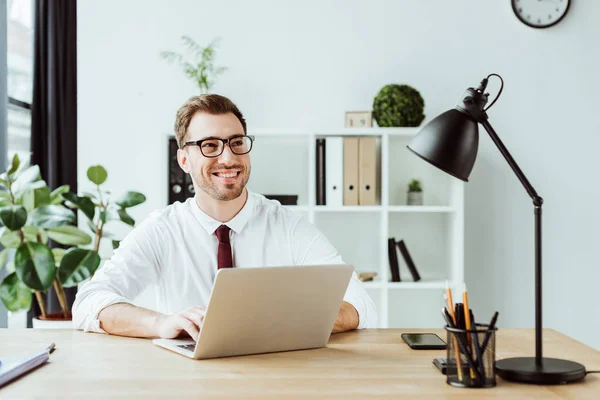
181	247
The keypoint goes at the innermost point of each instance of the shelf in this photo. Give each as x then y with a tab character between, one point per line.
408	132
417	285
440	209
347	208
373	284
297	208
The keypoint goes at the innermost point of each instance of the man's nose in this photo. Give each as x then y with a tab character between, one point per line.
227	154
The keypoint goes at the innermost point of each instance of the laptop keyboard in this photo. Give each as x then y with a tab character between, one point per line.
189	347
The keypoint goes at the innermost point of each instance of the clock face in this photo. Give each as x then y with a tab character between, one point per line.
540	13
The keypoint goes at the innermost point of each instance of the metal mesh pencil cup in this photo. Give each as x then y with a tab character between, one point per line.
471	355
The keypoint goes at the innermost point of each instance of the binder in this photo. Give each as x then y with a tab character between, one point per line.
320	169
393	257
409	262
367	161
351	171
334	173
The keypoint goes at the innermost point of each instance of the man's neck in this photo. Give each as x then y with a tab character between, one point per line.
222	211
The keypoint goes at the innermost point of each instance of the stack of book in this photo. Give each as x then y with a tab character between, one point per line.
346	171
393	256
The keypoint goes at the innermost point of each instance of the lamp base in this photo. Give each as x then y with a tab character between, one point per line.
553	371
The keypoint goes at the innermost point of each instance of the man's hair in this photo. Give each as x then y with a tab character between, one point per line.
207	103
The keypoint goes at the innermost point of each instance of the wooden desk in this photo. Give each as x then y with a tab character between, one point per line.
355	365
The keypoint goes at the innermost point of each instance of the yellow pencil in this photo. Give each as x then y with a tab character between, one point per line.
456	350
468	321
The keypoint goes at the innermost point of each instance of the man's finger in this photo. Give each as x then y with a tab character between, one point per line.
189	327
196	317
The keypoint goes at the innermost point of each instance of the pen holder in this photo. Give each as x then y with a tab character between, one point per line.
471	357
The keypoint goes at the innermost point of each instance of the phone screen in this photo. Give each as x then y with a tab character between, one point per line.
423	339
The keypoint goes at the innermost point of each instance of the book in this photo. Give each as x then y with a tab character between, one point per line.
320	169
334	171
409	262
393	257
350	171
13	367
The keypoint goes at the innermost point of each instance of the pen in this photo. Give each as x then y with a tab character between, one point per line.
50	349
488	335
450	309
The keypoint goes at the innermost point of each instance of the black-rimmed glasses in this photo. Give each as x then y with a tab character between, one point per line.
214	147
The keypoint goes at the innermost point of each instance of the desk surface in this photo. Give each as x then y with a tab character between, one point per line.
354	365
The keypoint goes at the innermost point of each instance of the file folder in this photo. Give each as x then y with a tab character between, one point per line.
351	171
334	173
367	173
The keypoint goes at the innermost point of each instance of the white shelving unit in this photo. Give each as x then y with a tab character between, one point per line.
283	162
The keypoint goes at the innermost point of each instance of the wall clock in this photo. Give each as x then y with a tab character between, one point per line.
540	13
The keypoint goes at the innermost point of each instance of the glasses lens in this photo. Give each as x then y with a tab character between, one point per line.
240	144
211	148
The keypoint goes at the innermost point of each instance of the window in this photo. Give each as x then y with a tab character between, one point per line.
20	76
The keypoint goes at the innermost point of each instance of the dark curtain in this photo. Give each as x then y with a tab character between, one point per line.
54	104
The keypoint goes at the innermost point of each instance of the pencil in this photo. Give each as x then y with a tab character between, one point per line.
467	320
456	349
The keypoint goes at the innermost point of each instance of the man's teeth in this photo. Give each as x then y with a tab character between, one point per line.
227	175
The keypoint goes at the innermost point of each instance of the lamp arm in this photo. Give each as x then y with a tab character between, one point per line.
537	200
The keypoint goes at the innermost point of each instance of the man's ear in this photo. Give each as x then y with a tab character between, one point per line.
183	160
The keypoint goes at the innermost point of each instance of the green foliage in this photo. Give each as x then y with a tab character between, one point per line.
415	186
77	265
15	294
35	266
200	67
397	106
97	174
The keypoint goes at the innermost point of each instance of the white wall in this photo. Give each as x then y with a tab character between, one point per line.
302	64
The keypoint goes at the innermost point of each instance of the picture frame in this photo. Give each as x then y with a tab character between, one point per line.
359	119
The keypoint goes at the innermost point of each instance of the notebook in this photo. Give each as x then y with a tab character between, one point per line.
13	367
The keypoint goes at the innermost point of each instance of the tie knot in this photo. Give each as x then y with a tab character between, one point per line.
223	234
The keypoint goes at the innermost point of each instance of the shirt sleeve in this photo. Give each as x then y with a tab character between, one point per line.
134	265
311	247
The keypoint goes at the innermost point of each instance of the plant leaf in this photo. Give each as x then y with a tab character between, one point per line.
97	174
14	165
3	256
31	234
9	239
115	244
126	217
69	235
25	179
83	203
14	294
131	199
77	265
56	195
35	266
58	253
36	197
52	216
13	217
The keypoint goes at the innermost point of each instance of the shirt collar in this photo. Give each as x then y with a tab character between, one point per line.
236	224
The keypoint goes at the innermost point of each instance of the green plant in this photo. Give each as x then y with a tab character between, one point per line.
31	215
398	105
199	68
99	208
415	186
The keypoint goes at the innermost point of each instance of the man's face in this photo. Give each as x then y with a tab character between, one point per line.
213	175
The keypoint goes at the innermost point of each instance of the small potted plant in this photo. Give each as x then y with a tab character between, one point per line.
415	193
200	66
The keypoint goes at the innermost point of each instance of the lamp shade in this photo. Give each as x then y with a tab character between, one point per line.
449	142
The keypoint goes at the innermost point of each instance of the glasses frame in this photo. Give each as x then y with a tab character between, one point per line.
225	142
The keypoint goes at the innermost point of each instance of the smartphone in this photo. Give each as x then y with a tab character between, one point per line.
424	341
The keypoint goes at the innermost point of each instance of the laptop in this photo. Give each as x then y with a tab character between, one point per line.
269	309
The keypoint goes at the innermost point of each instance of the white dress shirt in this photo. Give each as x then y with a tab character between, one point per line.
176	250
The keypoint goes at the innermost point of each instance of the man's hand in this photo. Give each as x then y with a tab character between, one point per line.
347	318
189	320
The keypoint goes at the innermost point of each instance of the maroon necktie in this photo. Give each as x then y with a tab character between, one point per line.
224	253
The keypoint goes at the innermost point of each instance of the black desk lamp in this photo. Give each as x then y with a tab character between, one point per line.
450	142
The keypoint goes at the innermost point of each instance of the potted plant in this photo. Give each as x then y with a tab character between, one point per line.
415	193
199	68
398	105
34	220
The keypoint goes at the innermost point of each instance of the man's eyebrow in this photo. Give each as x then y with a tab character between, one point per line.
216	137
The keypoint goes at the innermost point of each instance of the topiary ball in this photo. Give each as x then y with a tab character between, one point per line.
398	105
